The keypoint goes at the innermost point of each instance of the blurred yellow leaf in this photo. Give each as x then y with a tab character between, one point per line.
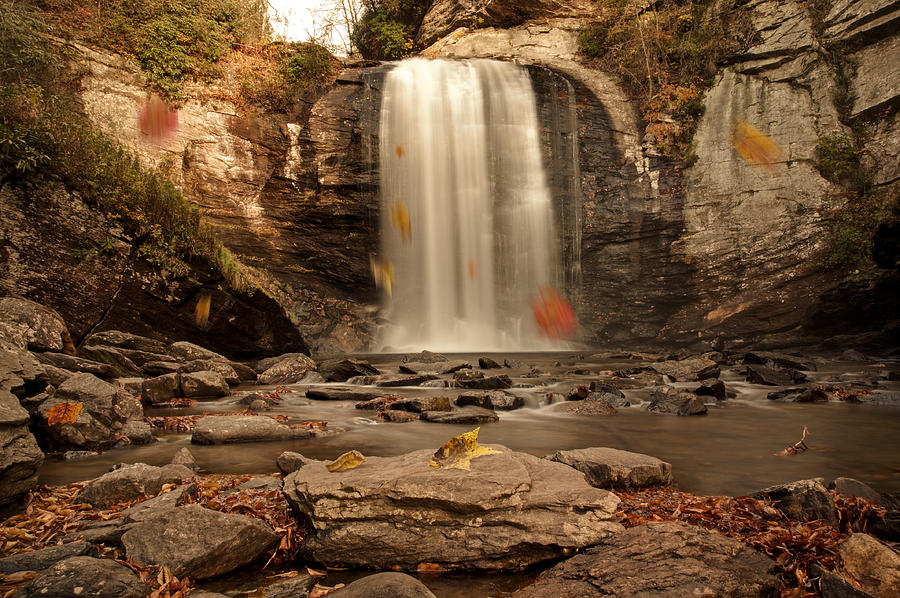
399	151
348	460
755	147
63	413
458	452
383	272
201	312
400	220
472	269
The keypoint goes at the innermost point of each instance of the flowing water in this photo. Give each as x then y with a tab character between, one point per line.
728	451
460	162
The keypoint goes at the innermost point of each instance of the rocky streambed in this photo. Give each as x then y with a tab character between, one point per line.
172	469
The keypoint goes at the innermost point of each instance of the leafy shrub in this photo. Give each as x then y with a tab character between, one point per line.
838	159
387	27
666	57
43	135
310	65
171	40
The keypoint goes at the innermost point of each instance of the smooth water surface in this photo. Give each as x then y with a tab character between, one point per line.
728	451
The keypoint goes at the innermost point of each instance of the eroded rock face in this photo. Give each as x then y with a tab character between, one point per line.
511	510
660	559
46	228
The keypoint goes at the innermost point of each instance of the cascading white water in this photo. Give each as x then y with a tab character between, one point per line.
460	153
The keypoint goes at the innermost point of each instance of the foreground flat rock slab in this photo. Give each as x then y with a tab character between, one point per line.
229	429
86	576
510	511
38	560
660	559
198	542
612	468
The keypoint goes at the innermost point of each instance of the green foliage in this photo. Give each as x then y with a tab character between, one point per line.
43	135
838	159
387	27
310	65
851	231
666	57
171	40
270	76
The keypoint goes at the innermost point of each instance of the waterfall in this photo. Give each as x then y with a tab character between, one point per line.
468	236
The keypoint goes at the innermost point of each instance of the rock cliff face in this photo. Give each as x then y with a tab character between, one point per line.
654	252
51	254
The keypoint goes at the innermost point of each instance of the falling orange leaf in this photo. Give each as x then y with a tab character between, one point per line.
756	147
472	269
157	119
399	151
400	220
554	314
63	413
201	312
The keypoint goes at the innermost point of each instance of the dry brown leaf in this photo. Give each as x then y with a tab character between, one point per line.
63	413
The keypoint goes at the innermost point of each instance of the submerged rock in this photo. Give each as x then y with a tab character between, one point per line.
342	394
461	415
196	542
229	429
688	370
660	559
779	359
420	404
757	374
339	370
510	511
613	468
672	401
492	399
487	383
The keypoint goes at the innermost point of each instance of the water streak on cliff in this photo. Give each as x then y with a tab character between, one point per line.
460	153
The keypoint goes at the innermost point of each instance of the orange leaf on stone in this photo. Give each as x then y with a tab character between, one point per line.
63	413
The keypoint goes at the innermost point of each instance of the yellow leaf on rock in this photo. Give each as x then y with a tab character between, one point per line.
348	460
63	413
458	452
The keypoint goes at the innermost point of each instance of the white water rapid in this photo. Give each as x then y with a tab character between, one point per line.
460	155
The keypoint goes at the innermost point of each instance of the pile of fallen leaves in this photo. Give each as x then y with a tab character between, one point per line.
52	512
793	545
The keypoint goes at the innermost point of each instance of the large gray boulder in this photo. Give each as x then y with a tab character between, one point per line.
196	542
20	457
509	511
30	325
491	399
339	370
660	559
806	500
287	371
83	576
104	412
204	384
229	429
874	565
613	468
161	388
130	482
383	585
184	351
